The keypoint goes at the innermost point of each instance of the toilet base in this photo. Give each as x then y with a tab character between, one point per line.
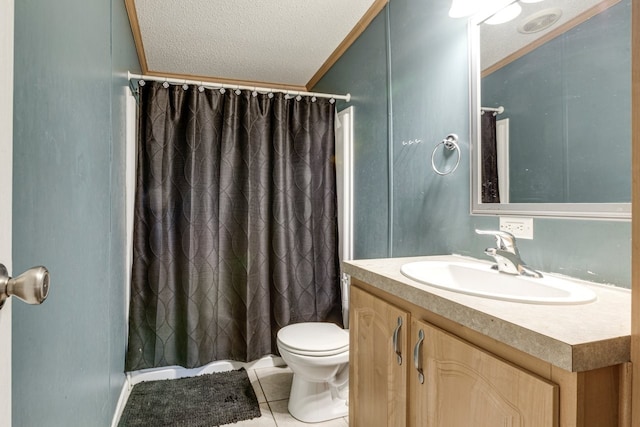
312	402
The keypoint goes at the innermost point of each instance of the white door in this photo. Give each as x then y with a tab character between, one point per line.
6	160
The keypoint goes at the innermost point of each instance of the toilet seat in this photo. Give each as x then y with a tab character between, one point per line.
313	339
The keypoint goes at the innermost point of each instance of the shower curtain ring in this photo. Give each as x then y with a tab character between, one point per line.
450	143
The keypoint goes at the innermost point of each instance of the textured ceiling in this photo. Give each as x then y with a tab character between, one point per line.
499	41
277	42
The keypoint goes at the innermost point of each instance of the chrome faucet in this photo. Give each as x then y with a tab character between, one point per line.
507	256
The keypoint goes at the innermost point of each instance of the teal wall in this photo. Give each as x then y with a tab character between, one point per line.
425	73
71	58
363	73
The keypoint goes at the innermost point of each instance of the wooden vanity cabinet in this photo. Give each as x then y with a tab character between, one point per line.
469	379
454	383
378	345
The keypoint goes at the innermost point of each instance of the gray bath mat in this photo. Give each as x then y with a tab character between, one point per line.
202	401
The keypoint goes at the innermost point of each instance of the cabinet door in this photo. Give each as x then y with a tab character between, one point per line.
377	362
465	386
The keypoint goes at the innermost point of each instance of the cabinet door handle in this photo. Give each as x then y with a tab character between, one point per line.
416	356
396	349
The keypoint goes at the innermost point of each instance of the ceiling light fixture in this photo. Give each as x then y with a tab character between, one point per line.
464	8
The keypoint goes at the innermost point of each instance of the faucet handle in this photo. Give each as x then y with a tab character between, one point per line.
504	239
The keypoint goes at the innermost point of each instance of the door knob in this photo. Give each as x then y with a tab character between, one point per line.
32	286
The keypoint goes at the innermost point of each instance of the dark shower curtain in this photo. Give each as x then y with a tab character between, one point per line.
489	159
235	231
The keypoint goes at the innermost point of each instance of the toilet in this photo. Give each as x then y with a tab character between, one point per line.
318	355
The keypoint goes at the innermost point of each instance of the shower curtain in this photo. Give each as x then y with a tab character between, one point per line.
235	230
489	159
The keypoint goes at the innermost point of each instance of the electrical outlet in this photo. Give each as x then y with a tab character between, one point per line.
520	227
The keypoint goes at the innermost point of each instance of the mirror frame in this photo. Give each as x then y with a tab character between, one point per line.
603	211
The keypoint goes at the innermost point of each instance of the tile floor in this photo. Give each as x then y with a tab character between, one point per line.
272	387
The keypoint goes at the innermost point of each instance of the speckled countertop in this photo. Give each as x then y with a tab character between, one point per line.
572	337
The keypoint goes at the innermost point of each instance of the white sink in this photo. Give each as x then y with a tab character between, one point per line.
476	278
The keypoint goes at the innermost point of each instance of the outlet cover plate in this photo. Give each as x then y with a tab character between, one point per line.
520	227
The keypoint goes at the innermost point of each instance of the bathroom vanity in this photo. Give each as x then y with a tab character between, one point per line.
424	356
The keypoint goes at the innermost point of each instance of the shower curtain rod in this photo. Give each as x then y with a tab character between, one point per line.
215	85
498	110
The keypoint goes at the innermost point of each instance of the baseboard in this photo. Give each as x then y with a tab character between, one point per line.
122	401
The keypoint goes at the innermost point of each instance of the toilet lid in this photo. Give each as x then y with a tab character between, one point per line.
314	338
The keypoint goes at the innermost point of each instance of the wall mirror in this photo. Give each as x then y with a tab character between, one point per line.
551	110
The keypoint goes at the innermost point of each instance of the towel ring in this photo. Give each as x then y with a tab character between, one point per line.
450	143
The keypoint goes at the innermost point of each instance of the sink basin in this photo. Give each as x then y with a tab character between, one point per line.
476	278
